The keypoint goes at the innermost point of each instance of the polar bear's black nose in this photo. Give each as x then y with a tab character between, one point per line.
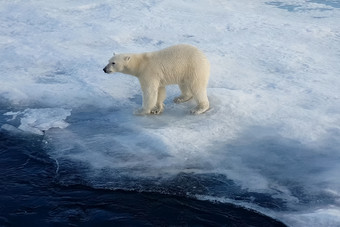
104	69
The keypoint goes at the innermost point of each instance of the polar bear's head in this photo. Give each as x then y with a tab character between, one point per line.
118	63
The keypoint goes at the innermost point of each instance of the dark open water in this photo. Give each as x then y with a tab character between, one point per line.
33	194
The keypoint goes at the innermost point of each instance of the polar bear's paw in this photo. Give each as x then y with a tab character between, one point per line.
157	109
181	99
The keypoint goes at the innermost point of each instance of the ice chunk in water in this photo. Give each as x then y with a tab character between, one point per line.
37	121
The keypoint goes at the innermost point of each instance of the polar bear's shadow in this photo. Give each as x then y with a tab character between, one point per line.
172	110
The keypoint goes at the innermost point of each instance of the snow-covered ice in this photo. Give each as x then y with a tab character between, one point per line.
271	141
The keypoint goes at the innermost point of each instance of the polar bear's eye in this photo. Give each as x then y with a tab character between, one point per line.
113	63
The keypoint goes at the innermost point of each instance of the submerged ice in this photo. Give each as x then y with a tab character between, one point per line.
270	142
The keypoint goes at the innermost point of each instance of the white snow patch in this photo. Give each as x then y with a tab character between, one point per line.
329	217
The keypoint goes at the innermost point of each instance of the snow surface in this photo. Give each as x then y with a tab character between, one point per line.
271	141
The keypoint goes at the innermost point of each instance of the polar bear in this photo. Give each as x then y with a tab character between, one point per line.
182	64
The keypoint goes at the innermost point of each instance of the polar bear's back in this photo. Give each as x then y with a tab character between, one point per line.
181	62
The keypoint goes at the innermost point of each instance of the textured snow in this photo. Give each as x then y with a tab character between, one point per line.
271	141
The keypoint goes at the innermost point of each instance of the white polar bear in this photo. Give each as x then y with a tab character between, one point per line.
182	64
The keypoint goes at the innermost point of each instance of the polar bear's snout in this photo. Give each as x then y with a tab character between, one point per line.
110	68
107	69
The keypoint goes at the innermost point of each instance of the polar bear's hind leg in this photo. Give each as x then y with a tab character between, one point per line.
185	96
202	102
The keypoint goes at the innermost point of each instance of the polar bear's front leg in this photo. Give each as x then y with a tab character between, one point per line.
158	109
150	94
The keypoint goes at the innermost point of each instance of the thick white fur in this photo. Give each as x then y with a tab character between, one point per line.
182	64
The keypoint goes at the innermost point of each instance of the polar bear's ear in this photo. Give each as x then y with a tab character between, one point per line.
114	54
127	58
